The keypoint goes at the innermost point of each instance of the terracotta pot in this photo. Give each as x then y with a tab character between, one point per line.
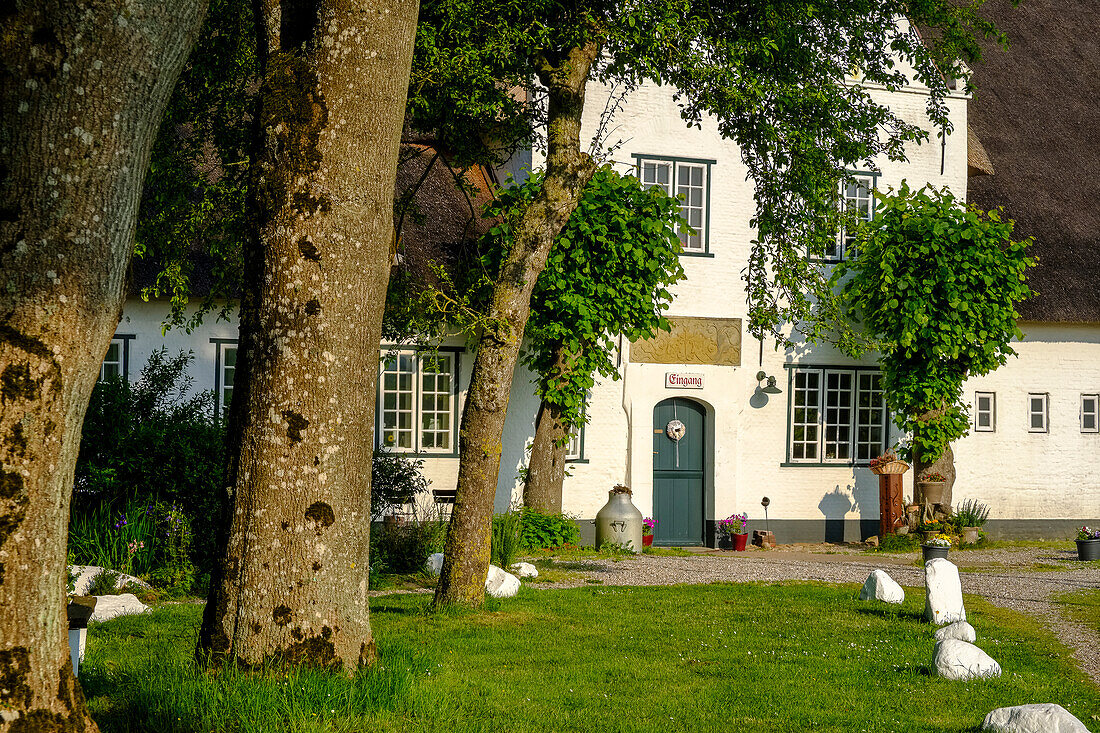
932	491
647	540
1088	549
739	541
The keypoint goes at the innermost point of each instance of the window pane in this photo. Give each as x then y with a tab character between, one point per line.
1036	421
838	415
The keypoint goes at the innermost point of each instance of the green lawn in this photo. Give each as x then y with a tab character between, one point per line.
742	657
1083	606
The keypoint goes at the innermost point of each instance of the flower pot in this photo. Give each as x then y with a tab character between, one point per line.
891	467
970	535
1088	549
647	540
932	491
739	541
931	552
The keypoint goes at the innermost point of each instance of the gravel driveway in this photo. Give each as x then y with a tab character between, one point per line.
1006	577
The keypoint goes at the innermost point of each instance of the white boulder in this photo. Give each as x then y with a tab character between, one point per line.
961	660
524	570
1042	718
500	583
960	630
944	596
434	564
86	573
881	587
109	607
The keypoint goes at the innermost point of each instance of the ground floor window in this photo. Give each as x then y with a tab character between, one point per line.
116	362
1090	413
1037	413
225	369
417	395
835	415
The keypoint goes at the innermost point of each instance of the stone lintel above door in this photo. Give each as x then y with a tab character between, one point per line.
692	341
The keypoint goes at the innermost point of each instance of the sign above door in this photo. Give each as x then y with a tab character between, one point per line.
681	380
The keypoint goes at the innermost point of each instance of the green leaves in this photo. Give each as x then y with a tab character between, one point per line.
936	284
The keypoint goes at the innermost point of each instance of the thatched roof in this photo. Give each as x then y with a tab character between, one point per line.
1036	112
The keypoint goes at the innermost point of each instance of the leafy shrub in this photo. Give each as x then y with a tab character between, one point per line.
548	531
507	536
150	442
898	543
104	583
395	481
971	513
404	548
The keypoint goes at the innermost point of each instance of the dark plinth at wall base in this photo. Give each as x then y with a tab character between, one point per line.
788	531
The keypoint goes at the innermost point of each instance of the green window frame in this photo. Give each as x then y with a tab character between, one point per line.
836	415
688	179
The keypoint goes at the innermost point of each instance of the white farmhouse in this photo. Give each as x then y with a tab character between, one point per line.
1034	451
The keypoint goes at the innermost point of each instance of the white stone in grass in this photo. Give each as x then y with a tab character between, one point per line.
881	587
943	596
961	660
434	563
1042	718
524	570
109	607
960	630
500	583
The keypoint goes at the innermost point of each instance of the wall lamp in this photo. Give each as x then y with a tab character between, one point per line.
771	388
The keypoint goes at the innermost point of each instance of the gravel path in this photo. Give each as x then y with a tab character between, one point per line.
1005	577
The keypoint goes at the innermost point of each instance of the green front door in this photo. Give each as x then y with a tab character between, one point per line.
678	472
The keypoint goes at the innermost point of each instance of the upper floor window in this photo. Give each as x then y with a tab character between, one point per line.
574	449
856	201
1090	413
688	180
417	395
116	361
836	415
985	412
225	369
1037	413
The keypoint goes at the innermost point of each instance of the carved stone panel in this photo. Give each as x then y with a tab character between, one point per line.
692	341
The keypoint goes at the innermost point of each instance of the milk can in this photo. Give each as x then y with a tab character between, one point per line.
619	522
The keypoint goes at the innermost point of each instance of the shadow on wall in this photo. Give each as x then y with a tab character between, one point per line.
835	505
860	499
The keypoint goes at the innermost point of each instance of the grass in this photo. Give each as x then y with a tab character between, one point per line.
746	657
1083	606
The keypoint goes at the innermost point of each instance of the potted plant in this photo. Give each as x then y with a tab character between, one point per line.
733	527
647	531
888	463
931	485
970	516
936	547
1088	543
930	529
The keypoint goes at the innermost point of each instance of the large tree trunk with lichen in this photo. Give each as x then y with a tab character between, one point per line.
83	87
546	469
293	581
568	170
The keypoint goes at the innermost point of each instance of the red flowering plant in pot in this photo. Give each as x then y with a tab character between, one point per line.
647	531
734	527
931	485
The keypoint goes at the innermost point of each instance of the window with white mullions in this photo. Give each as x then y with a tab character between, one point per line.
114	361
836	415
870	415
1090	413
985	412
417	401
689	181
225	370
1037	413
805	415
856	201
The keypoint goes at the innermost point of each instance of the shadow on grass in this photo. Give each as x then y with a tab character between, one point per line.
895	613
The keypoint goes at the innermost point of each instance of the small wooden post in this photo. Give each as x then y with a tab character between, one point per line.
891	510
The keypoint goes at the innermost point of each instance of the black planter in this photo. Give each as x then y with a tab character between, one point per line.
932	552
1088	549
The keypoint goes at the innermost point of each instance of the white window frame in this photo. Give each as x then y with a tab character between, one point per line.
820	434
978	412
866	181
122	341
681	190
1093	412
574	449
1045	413
419	395
222	371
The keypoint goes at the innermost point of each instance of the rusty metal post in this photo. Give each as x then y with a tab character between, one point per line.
891	510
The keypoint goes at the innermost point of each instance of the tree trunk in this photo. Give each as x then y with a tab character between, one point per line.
293	582
83	87
568	170
546	469
945	464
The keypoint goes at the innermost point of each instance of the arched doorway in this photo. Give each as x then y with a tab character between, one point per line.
679	471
